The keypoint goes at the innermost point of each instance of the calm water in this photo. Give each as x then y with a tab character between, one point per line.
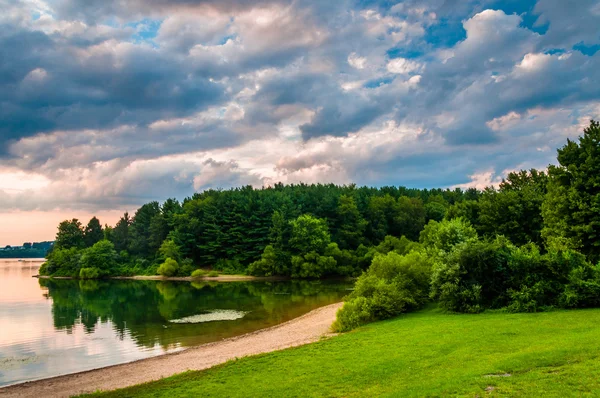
54	327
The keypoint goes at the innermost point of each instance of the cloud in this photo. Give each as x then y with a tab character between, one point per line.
111	104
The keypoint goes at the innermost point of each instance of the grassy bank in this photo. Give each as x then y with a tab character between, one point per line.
421	354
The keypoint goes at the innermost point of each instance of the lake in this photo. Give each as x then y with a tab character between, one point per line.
55	327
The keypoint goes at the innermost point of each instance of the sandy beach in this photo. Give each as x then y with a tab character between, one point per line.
303	330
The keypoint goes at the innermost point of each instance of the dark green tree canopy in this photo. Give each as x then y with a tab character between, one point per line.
70	235
571	210
93	232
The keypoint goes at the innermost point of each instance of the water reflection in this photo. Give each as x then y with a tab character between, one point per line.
52	327
144	308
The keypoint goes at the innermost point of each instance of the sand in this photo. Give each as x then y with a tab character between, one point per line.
306	329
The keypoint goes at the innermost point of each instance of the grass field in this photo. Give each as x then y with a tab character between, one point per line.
428	353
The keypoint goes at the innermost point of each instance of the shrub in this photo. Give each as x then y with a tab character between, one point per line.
353	314
392	285
63	262
472	277
312	265
89	273
213	274
101	256
168	268
267	265
199	273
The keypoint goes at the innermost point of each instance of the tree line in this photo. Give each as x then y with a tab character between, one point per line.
530	243
27	250
286	230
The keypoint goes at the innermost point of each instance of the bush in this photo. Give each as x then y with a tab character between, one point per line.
63	262
353	314
472	277
312	265
394	284
101	256
212	274
89	273
267	265
480	275
199	273
168	268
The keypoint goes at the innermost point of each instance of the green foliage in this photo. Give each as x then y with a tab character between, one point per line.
349	223
400	246
571	210
435	211
70	235
229	267
101	257
467	210
473	276
169	249
515	209
93	232
169	268
480	275
89	273
62	262
309	234
232	228
312	265
140	229
120	234
354	313
444	235
392	285
213	274
267	265
198	273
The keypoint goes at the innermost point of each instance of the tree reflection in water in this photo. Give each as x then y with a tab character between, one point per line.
143	309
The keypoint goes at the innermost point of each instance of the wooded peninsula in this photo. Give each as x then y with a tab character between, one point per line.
530	244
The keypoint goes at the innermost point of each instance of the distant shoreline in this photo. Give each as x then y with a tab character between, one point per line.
220	278
23	259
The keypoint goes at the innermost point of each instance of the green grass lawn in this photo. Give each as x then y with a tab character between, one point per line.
552	354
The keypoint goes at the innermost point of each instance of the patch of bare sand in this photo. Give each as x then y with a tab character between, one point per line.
303	330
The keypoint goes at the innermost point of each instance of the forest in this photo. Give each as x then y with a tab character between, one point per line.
529	244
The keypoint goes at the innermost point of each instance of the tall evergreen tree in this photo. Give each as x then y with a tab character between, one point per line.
93	232
349	224
120	234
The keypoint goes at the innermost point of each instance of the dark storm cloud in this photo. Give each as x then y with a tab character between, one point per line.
45	86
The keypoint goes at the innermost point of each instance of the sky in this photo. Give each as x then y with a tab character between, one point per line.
106	105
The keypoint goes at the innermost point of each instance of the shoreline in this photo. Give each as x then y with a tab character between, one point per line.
308	328
220	278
